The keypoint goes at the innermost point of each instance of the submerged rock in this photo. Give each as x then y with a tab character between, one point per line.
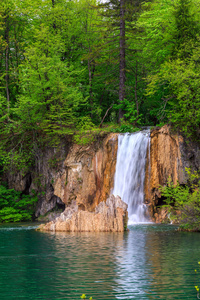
109	216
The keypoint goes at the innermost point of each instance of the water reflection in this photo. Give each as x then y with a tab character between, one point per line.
92	263
132	278
172	257
149	262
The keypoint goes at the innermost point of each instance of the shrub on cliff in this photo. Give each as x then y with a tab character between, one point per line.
16	207
184	201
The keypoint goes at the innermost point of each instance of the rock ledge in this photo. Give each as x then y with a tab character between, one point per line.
109	216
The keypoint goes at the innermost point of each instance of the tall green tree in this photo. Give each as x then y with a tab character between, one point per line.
175	75
120	18
186	28
49	97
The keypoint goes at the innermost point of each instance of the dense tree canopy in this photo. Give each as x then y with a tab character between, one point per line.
66	65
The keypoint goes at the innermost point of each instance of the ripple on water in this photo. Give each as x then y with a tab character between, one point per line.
148	262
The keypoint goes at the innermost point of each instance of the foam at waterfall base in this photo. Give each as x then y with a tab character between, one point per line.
133	222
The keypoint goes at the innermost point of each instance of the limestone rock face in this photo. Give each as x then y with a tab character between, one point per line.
162	216
165	162
71	172
109	216
88	174
169	156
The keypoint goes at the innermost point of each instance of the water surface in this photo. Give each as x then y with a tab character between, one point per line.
148	262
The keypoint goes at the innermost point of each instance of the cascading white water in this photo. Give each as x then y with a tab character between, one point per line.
130	173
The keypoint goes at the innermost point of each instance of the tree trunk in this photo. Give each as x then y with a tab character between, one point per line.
105	115
136	98
90	84
122	63
7	64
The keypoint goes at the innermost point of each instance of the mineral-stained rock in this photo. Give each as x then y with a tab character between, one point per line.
85	173
169	156
70	172
109	216
88	173
162	215
165	162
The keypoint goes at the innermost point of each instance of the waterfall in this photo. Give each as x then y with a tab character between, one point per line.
130	173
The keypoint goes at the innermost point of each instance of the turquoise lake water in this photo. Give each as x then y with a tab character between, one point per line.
148	262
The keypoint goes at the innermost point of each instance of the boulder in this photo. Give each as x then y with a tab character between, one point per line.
109	216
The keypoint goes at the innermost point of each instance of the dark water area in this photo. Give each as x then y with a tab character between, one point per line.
148	262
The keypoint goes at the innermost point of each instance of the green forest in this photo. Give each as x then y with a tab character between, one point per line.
71	66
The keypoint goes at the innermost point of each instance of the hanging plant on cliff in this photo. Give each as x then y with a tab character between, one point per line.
184	201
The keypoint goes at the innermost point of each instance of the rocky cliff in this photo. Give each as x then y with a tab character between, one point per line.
71	172
85	174
170	154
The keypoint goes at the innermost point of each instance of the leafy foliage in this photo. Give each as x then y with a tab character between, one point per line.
130	112
16	207
59	71
184	201
125	127
177	73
